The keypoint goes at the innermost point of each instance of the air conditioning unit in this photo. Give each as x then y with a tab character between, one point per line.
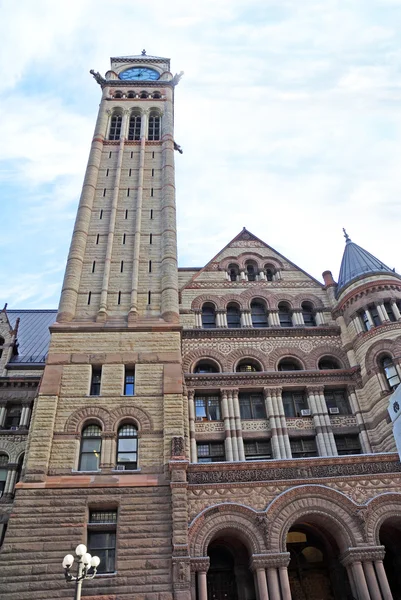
305	412
14	428
199	419
120	468
334	411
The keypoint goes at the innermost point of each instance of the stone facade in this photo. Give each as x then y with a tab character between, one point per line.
260	461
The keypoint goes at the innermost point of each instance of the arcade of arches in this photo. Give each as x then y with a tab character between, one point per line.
317	561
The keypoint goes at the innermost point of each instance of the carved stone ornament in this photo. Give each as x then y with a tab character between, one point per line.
177	447
266	561
366	553
200	563
181	572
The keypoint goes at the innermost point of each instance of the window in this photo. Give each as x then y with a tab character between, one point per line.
284	314
3	472
327	363
337	400
91	445
127	447
156	95
248	366
251	272
208	316
258	314
13	417
303	447
102	538
207	408
129	381
365	320
154	127
390	312
144	95
233	316
374	315
293	403
211	452
257	450
131	95
115	127
390	372
308	314
95	381
118	95
347	444
289	364
252	406
233	272
270	271
134	128
206	366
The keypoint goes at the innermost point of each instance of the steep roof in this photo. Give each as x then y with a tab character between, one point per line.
33	334
356	262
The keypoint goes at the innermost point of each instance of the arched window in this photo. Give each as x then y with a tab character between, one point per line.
233	316
2	342
270	271
247	365
251	272
154	127
118	95
259	314
206	366
289	364
208	316
390	372
127	447
308	314
284	314
156	95
91	445
326	363
3	472
134	130
115	127
131	95
233	272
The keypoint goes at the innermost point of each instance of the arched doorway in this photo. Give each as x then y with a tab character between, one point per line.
229	577
390	538
315	573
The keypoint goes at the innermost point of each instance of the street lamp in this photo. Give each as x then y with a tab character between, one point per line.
85	562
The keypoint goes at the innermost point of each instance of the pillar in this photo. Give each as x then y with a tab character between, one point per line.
262	584
320	440
200	565
369	317
192	430
284	583
272	581
367	572
227	428
198	319
396	310
11	479
297	318
360	581
230	406
371	580
3	411
381	309
283	423
319	316
329	436
363	436
238	426
382	578
273	423
223	319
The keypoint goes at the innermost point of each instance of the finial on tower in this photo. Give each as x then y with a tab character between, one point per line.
143	52
347	238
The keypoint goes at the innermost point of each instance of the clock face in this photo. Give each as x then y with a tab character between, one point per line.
139	74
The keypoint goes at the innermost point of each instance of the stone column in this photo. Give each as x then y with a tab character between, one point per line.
102	312
369	317
223	316
200	565
257	565
198	319
169	272
297	318
108	454
227	428
242	275
371	580
273	318
319	316
396	310
25	416
243	319
383	582
381	309
272	422
360	581
361	561
262	276
192	429
284	439
238	426
329	436
351	581
357	324
363	436
272	581
72	277
233	430
317	424
284	583
133	311
3	411
277	574
11	479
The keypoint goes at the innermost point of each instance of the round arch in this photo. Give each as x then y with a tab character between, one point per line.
76	420
252	353
311	298
378	510
198	302
190	359
384	346
131	412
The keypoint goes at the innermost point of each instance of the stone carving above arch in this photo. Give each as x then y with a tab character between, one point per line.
198	302
289	352
314	300
330	509
284	298
77	418
131	411
383	346
12	449
378	510
242	521
232	298
190	359
235	356
317	353
255	294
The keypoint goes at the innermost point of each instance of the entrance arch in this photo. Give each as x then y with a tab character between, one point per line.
229	577
390	538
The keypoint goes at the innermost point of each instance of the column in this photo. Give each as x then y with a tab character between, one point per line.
272	581
381	309
273	318
396	310
353	400
383	582
192	430
102	312
329	436
169	272
262	584
284	583
22	417
242	275
218	319
272	421
238	426
279	432
361	561
262	276
11	479
357	324
351	580
244	322
319	316
227	429
371	580
369	317
320	441
200	565
232	424
198	319
248	318
108	452
297	318
283	423
360	581
25	416
223	316
2	414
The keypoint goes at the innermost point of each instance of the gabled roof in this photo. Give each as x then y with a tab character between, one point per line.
33	334
356	262
245	235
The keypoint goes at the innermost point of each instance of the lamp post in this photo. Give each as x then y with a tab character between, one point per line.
85	562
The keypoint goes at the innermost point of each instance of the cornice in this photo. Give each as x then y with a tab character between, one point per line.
361	290
250	332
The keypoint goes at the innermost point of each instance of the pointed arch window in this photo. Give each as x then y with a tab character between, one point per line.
233	316
308	314
134	129
390	372
208	316
154	127
284	314
259	314
115	127
91	446
127	447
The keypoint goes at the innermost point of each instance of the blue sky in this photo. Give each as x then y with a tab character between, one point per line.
289	115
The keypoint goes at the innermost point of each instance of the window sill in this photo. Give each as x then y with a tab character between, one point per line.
111	574
74	472
126	471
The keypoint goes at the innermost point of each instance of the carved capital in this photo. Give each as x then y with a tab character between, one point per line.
267	561
200	563
365	553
